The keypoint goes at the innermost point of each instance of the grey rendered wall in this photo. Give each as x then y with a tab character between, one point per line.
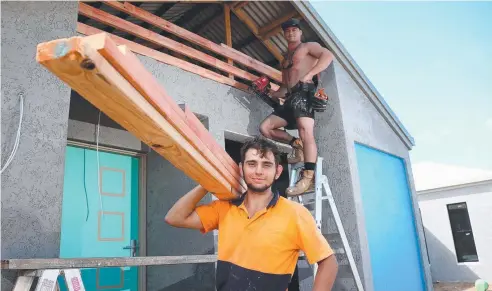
32	185
442	252
332	147
227	109
364	124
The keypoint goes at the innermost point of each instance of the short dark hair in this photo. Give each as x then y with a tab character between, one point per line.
263	146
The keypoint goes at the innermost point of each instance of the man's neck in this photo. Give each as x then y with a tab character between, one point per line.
292	45
256	201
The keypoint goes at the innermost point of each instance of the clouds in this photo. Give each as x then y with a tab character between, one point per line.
431	175
488	124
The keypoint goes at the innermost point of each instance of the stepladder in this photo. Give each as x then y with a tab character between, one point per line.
48	280
314	199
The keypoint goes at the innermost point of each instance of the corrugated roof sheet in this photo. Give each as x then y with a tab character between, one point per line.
206	20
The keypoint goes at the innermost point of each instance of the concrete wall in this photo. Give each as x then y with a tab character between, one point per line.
442	252
332	147
364	124
32	185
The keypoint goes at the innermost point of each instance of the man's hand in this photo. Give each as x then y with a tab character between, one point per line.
308	78
326	274
324	56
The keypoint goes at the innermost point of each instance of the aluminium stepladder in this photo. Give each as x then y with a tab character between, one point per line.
48	280
321	183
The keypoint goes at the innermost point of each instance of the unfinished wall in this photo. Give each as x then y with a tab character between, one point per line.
32	185
439	237
364	124
332	147
226	109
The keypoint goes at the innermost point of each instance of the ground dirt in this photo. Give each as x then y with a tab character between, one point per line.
456	287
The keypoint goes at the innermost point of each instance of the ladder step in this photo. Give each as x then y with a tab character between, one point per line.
332	225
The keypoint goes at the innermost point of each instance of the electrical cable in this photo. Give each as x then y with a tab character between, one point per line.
85	190
99	165
17	137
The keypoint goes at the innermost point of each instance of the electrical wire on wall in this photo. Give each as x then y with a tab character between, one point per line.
85	189
99	165
17	137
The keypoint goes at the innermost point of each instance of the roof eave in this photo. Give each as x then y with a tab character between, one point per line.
319	26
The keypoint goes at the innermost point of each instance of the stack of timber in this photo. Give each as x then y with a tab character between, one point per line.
113	79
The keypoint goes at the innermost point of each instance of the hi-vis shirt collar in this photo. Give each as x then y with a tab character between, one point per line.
273	202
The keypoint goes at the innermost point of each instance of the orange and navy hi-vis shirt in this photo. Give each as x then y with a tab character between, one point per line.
261	252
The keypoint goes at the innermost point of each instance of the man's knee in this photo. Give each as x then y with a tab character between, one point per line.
265	129
306	133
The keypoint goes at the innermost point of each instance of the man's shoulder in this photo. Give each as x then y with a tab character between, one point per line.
292	205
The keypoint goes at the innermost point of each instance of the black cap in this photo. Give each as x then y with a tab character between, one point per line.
291	23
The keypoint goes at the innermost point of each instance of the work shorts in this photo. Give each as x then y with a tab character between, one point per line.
296	105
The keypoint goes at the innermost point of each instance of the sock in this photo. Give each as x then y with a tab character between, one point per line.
309	166
292	141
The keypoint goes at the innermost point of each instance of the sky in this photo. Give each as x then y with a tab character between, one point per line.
432	63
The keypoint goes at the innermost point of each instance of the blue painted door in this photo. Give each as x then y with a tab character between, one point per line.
390	221
100	214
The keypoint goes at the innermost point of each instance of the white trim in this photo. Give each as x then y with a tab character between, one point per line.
318	25
453	187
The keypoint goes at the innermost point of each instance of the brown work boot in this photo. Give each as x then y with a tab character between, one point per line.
297	152
305	184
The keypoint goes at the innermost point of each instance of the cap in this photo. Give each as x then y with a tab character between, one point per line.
291	23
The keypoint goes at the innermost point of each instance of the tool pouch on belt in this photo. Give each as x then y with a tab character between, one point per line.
317	99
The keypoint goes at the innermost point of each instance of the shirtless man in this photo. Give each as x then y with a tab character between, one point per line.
303	62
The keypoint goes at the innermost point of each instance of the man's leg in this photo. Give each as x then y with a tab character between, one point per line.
270	129
306	132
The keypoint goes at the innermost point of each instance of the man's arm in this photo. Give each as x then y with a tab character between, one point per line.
324	56
183	213
279	94
326	274
317	250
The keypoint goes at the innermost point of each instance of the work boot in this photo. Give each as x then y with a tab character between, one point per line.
297	152
305	184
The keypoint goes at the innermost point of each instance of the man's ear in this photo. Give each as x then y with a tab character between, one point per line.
279	171
241	169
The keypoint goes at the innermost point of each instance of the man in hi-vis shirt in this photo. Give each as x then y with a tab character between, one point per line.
260	233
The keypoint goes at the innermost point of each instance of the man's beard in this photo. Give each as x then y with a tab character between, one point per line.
255	189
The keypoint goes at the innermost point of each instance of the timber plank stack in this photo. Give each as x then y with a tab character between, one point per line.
113	79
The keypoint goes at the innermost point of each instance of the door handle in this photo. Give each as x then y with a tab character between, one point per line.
133	246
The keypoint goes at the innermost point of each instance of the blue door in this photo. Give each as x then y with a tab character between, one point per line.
390	221
100	215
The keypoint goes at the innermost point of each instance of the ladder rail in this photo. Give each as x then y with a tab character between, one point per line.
321	183
341	231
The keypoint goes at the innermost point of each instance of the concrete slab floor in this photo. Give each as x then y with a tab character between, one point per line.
456	287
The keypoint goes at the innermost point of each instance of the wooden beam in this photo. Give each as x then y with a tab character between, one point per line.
252	26
197	39
272	32
80	66
203	134
131	68
228	34
159	12
277	22
164	58
56	263
156	38
239	5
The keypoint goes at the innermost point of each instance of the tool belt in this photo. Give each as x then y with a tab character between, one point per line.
317	99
